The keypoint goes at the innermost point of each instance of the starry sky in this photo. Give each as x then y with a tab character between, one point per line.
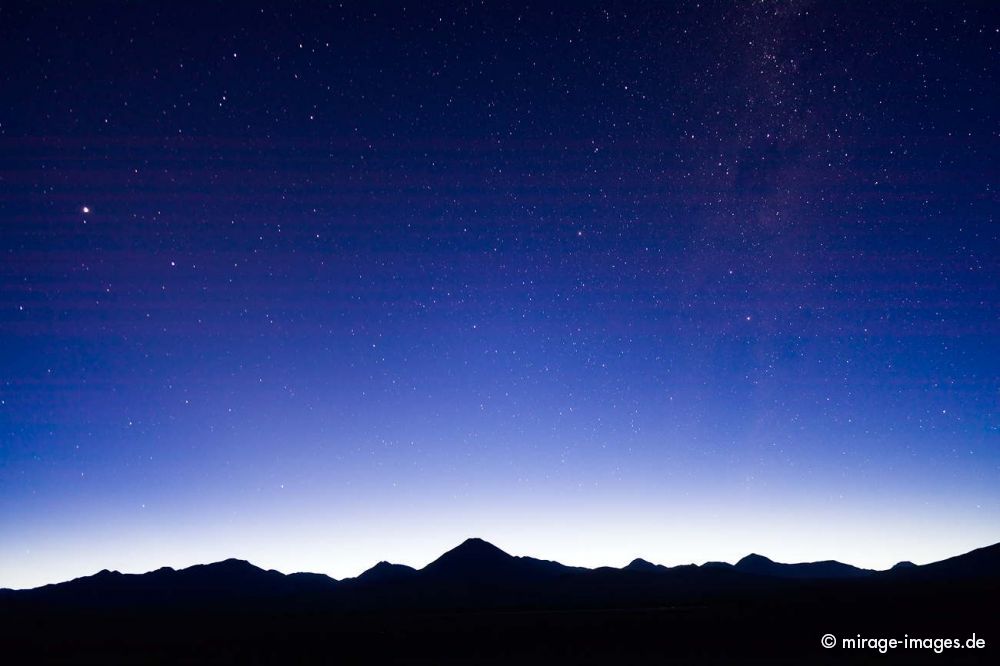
317	285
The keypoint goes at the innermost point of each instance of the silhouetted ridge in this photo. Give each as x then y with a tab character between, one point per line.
218	574
979	563
304	580
763	566
216	583
639	564
475	550
473	573
477	598
717	565
230	566
753	560
386	572
475	560
472	556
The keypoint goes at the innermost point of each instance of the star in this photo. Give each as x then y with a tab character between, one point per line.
86	209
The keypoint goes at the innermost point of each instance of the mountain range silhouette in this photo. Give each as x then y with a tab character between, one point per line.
485	593
471	563
476	560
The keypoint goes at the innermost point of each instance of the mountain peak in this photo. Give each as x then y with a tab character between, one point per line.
231	569
639	564
476	548
386	572
475	543
104	576
473	557
760	565
232	564
754	559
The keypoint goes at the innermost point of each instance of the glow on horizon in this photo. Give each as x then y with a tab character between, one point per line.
597	537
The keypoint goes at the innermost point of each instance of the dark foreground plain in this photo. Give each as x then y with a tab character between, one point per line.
477	604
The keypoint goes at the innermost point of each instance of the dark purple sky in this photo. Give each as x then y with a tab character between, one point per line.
590	282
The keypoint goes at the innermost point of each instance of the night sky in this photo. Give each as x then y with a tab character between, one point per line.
319	285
